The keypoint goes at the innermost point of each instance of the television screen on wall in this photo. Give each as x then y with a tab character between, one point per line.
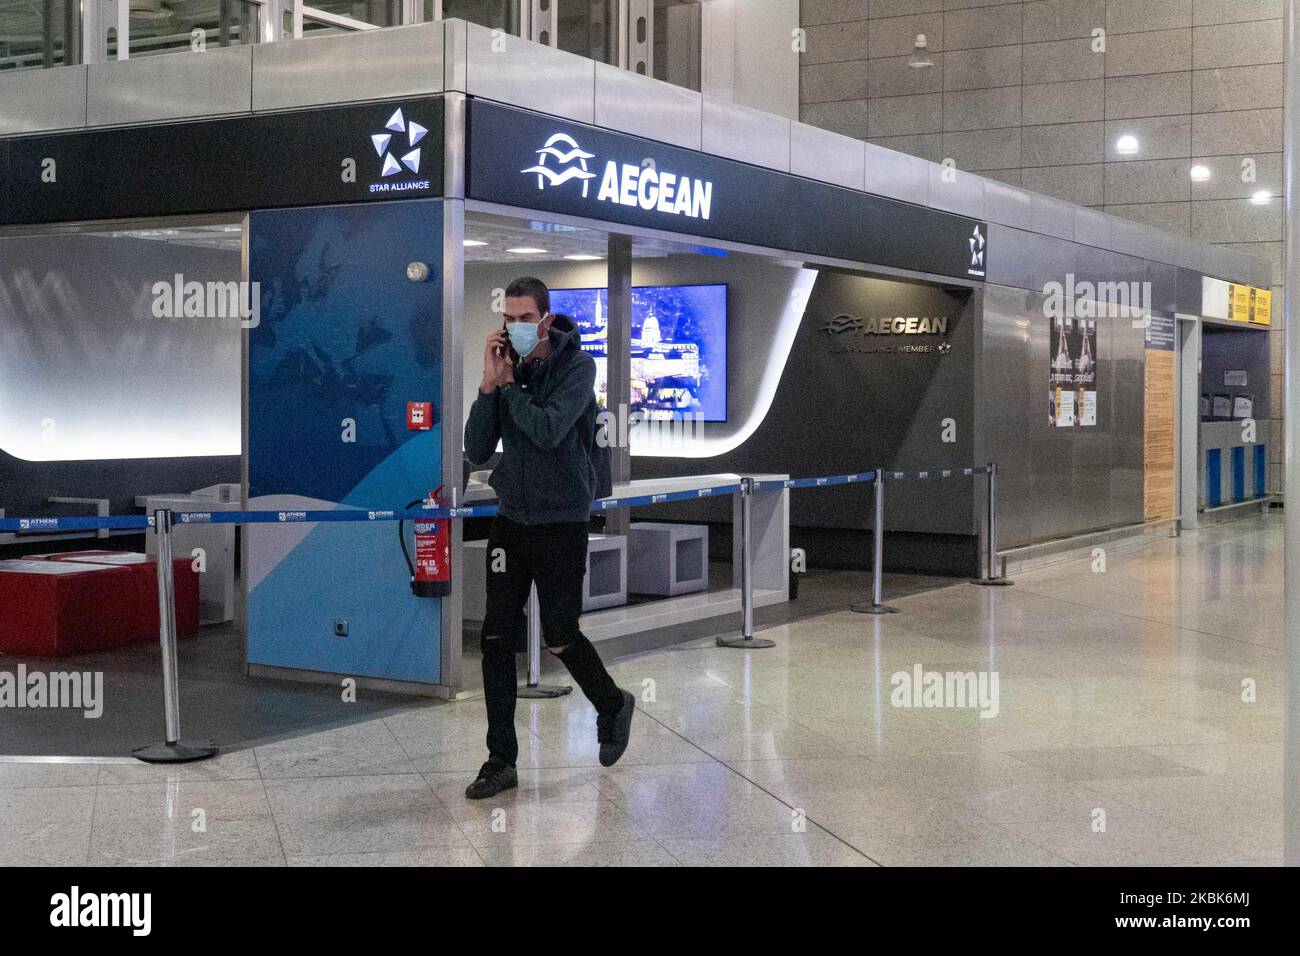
679	346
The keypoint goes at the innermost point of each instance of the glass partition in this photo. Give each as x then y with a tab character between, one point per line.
495	14
379	13
677	42
588	28
173	26
34	33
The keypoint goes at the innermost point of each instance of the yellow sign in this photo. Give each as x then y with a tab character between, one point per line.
1250	305
1263	311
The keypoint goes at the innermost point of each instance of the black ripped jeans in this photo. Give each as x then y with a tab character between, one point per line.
554	558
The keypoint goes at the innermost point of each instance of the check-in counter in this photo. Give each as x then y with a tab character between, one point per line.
770	524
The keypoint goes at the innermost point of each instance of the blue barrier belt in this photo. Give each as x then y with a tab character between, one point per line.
142	522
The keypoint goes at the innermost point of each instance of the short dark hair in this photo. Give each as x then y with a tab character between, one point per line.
534	289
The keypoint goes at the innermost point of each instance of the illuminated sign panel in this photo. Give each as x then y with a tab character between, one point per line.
529	160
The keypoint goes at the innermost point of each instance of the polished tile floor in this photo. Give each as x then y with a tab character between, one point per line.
1138	722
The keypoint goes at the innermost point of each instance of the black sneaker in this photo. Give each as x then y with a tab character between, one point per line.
614	731
492	779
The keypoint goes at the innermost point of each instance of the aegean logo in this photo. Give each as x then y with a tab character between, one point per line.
898	325
643	186
890	326
570	163
399	147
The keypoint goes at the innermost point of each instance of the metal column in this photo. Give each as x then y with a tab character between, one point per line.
618	366
535	688
877	605
172	750
992	574
1291	515
747	638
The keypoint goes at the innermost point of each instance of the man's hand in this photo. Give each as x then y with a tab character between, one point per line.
497	369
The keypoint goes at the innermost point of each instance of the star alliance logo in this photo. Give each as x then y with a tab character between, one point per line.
977	251
413	131
564	150
400	150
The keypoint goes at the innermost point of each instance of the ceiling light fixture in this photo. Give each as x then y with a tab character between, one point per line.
1126	145
1200	174
473	242
920	57
1261	198
582	257
526	250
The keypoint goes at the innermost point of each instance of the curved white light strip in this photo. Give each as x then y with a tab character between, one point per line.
673	446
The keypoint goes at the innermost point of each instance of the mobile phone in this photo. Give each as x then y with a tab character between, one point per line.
508	350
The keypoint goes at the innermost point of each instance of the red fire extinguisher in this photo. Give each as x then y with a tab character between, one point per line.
431	572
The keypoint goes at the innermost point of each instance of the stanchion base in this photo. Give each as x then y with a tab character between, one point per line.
873	609
179	752
542	691
993	582
745	642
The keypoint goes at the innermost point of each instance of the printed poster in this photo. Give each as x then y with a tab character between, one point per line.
1072	378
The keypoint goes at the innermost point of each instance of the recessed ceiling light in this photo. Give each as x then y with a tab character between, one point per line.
1126	145
920	57
525	250
1261	198
1200	174
473	242
582	258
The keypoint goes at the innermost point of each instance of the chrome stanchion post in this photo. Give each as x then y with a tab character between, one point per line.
877	605
992	576
534	689
747	638
172	749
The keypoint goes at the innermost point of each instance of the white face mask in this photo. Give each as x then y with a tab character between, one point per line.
523	337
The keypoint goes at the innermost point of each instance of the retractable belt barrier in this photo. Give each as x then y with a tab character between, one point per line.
173	750
351	513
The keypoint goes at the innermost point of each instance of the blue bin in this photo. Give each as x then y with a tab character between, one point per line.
1213	478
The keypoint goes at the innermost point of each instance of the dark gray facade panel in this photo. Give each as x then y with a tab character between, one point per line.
1027	260
1006	402
1188	290
1164	288
843	406
1056	482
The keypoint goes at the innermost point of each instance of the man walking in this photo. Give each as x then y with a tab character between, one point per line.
537	398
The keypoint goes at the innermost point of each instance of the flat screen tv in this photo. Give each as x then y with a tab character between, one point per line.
679	346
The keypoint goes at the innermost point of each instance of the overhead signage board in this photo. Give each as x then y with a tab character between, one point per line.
524	159
338	154
1236	302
